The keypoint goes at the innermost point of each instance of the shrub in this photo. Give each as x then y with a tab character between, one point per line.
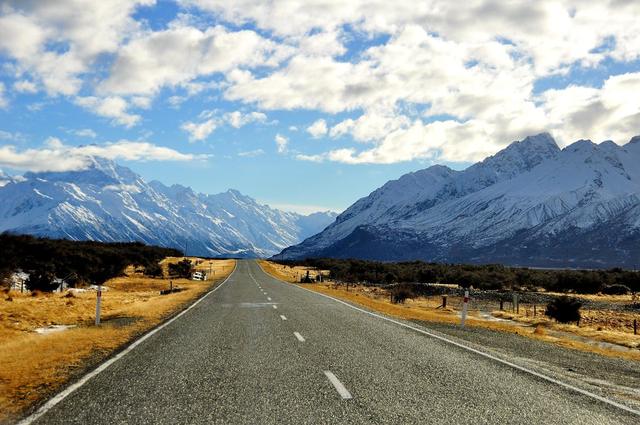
182	269
42	279
153	270
616	289
400	293
564	309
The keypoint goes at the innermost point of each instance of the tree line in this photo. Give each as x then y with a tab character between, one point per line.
77	262
490	276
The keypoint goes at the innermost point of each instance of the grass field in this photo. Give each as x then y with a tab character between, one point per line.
541	328
35	365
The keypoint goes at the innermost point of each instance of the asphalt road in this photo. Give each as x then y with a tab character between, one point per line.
259	351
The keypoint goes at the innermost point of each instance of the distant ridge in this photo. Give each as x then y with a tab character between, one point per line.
530	204
108	202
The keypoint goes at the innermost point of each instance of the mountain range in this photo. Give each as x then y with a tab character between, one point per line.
108	202
531	204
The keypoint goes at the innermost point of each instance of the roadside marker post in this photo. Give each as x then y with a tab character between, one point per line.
465	304
98	304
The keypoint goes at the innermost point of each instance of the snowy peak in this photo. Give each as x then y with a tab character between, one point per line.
531	203
108	202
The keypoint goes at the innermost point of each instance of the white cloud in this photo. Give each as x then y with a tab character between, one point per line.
434	71
113	107
176	101
578	112
281	143
552	33
143	102
32	33
179	54
84	132
318	128
251	154
56	156
16	137
199	131
25	86
3	100
237	119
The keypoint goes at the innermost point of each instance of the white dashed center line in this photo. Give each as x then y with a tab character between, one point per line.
282	317
300	338
275	307
344	393
268	299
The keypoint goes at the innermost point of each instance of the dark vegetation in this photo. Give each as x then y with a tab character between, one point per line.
181	269
491	276
564	309
75	262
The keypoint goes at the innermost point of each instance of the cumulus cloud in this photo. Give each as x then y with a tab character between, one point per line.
181	53
54	155
237	119
31	33
113	107
281	143
25	86
318	128
610	112
199	131
552	33
418	80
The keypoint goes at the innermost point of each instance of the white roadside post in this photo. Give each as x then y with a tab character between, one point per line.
98	302
464	307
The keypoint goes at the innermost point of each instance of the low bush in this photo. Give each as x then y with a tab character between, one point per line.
182	269
153	270
616	289
400	293
564	309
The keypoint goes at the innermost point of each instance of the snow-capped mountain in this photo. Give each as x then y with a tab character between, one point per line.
530	204
5	179
108	202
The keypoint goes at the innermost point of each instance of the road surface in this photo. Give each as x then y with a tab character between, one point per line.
260	351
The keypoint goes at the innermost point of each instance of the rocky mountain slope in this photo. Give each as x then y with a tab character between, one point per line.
108	202
530	204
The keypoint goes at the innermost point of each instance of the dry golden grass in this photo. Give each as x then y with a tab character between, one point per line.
290	274
427	309
33	366
614	332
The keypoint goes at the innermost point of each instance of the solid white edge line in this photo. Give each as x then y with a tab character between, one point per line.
282	317
300	337
473	350
344	393
70	389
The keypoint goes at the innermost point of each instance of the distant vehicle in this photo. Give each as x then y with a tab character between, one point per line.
198	276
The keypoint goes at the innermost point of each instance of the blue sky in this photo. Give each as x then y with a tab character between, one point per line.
306	106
